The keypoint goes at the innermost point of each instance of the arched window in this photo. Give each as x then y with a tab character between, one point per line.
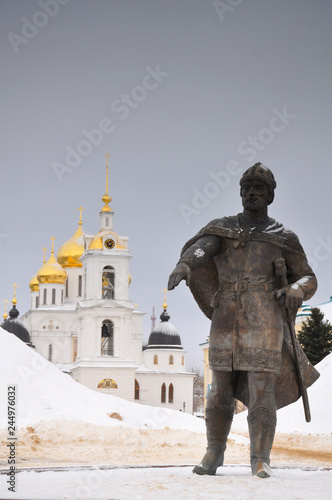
182	361
136	389
171	359
107	383
170	393
108	283
155	359
107	340
74	349
163	393
50	352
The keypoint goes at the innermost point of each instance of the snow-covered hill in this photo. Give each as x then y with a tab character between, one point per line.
45	393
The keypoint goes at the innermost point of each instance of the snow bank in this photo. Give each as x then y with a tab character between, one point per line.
44	393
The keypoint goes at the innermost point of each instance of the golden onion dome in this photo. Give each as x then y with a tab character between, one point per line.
34	284
51	271
70	252
97	242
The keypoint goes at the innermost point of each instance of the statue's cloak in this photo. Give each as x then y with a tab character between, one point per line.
204	284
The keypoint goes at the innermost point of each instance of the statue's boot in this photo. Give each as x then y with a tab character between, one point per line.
262	424
218	425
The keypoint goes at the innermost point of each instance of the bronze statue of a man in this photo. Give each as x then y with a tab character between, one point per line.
230	267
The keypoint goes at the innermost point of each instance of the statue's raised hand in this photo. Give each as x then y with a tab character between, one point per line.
181	272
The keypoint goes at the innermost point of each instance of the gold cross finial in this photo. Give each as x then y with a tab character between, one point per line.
106	198
5	316
14	301
81	210
52	238
44	250
136	305
165	303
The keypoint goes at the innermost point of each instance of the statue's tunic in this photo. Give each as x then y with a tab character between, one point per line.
236	290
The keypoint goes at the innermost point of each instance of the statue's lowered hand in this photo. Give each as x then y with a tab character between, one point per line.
293	296
181	272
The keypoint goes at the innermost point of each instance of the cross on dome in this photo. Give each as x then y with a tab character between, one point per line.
81	210
106	198
14	301
5	315
165	303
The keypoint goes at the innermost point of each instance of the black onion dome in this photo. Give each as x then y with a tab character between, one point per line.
15	326
164	334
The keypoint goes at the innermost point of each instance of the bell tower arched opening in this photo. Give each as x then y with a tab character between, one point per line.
107	338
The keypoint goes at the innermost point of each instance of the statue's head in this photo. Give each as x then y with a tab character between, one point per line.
258	173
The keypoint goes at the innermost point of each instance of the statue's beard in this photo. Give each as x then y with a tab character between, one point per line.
253	204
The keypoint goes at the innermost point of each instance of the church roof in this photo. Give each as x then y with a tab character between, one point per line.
70	252
51	271
15	326
164	334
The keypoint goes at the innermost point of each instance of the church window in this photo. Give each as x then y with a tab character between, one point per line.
107	383
136	389
50	352
155	359
107	222
74	349
67	287
53	295
170	393
61	296
108	283
107	340
80	285
171	359
45	296
37	302
182	361
163	393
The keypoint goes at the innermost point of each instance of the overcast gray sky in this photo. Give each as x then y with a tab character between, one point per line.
186	95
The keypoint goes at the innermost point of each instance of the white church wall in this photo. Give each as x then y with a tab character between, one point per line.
51	294
150	385
162	356
136	338
50	327
73	288
91	377
34	303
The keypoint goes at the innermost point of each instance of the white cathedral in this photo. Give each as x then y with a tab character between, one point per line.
82	319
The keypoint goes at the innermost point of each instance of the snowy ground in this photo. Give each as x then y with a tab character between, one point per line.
62	423
174	482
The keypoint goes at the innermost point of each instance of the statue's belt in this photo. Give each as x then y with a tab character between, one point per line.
241	287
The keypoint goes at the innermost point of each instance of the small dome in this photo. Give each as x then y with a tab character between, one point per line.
97	242
70	252
34	284
164	334
51	272
16	327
